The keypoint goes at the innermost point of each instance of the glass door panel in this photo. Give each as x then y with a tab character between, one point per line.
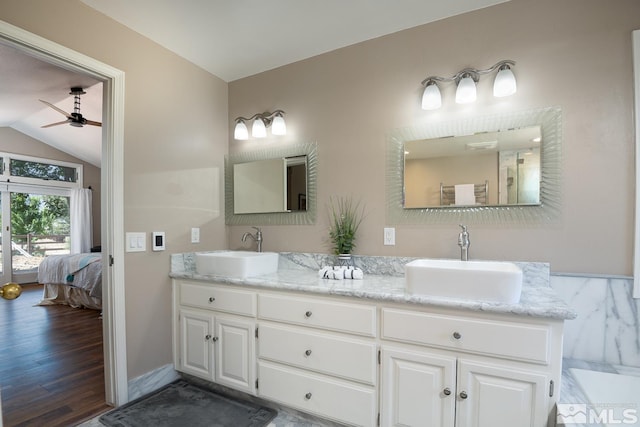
40	226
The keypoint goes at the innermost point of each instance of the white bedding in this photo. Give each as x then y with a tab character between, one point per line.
83	271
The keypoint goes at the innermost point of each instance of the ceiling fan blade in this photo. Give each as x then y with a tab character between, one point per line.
56	108
55	124
92	123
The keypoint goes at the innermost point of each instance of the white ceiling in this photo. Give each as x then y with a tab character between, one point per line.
25	80
230	39
235	39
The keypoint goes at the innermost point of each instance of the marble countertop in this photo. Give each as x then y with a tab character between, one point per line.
384	281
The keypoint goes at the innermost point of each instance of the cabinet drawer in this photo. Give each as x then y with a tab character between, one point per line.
529	342
218	298
334	399
319	313
344	357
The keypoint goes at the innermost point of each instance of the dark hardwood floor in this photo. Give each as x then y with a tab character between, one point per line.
51	362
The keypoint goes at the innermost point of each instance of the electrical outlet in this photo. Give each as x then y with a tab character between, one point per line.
195	235
389	236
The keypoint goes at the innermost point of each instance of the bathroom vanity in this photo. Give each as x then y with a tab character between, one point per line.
367	353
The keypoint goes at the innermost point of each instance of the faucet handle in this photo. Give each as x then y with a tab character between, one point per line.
464	228
257	229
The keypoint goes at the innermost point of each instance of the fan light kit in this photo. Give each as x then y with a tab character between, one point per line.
503	85
261	121
75	119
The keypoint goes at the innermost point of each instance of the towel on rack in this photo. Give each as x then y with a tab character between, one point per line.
465	194
340	272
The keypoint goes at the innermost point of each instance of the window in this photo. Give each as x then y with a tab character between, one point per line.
20	169
49	172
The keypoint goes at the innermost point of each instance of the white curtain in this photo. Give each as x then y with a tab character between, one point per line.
81	221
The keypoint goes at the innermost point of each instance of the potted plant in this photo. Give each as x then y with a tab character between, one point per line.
345	217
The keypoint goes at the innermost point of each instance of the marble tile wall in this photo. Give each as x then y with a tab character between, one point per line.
607	329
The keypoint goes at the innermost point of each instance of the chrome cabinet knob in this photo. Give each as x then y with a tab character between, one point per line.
211	299
207	337
307	353
447	391
308	314
463	395
215	339
457	335
307	396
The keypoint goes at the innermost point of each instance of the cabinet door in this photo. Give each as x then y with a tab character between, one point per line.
235	354
418	389
196	350
500	396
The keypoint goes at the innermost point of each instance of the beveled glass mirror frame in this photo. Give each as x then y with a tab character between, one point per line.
550	121
307	217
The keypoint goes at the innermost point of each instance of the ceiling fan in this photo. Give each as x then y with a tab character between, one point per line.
74	119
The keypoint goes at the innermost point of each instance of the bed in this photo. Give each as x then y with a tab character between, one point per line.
74	280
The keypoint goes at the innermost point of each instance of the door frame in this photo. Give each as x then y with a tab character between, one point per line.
112	191
635	43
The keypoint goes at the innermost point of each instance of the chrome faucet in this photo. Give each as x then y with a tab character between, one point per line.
257	237
464	242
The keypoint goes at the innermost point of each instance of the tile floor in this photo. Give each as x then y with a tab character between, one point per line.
569	393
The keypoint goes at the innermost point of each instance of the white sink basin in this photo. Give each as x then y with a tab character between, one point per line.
492	281
237	264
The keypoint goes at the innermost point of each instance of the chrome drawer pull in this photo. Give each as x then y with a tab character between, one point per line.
211	299
463	395
207	337
457	335
215	339
307	396
308	314
307	353
446	391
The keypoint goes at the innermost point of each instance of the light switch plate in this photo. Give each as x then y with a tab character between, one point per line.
136	242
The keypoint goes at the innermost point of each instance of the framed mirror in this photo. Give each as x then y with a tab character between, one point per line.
503	168
270	186
275	186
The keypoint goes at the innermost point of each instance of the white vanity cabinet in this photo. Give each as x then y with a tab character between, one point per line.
364	362
214	335
451	370
319	355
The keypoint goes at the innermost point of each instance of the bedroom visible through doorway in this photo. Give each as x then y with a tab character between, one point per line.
35	213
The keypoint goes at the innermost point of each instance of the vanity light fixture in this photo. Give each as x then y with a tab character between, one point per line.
503	85
261	121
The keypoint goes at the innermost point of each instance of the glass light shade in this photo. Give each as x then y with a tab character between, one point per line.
278	127
431	97
466	91
241	132
505	83
258	130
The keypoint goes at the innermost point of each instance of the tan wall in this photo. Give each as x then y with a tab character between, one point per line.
575	54
12	141
174	146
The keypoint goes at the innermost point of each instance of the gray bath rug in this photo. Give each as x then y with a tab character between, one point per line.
182	404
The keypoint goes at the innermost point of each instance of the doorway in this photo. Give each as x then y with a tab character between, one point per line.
114	326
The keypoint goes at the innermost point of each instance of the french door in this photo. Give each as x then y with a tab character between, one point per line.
34	223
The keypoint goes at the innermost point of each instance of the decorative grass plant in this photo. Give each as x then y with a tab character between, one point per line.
345	217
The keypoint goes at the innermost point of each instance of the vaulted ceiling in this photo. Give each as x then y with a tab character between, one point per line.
231	40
